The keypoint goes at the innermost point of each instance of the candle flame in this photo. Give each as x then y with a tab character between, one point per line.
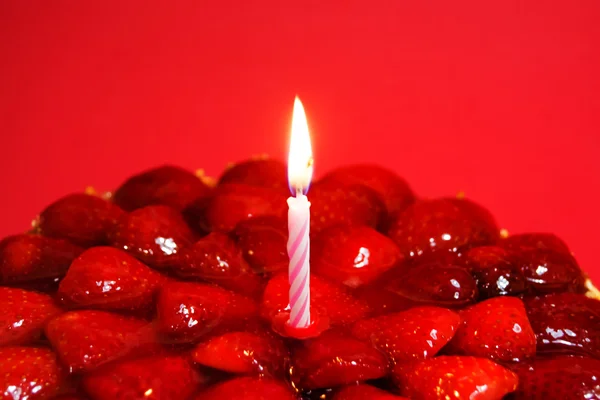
300	158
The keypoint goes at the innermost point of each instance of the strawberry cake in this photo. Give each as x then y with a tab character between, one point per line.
167	289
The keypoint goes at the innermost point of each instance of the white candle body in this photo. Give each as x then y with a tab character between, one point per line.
298	247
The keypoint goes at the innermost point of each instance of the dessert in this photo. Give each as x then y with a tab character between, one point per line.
169	289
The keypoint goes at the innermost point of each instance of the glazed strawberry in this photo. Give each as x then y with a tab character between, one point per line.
414	334
478	213
352	256
436	284
28	258
155	377
547	271
495	272
24	315
187	311
86	339
154	234
215	258
243	353
248	388
454	377
565	322
363	392
263	242
333	204
110	279
327	299
535	241
233	203
167	185
381	300
264	172
394	190
497	328
334	359
441	225
80	218
561	377
29	373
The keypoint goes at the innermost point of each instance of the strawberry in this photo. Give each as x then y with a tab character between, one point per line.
232	203
560	377
352	256
334	359
110	279
29	373
436	284
154	234
381	300
258	172
243	353
81	218
326	298
248	388
187	311
215	258
154	377
414	334
363	392
24	315
535	241
86	339
441	225
167	185
263	242
454	377
566	322
394	190
27	258
497	328
332	204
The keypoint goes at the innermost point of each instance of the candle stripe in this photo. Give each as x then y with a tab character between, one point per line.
298	265
298	291
298	319
299	237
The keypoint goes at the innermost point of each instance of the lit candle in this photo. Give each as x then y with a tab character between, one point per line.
300	170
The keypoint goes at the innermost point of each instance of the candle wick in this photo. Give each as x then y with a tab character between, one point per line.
299	191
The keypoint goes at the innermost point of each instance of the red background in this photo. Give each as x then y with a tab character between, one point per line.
498	100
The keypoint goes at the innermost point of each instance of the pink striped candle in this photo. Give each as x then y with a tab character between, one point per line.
300	169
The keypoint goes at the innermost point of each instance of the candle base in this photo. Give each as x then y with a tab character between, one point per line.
281	326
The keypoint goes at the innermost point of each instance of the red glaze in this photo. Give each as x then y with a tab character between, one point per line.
215	258
414	334
80	218
454	377
534	241
154	234
167	185
547	271
565	322
352	256
155	377
86	339
109	279
248	388
363	392
29	373
328	299
263	242
260	172
24	315
497	328
188	311
335	359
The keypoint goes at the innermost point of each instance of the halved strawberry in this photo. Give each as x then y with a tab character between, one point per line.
454	377
364	392
414	334
326	298
352	256
335	359
24	315
29	373
496	328
154	377
80	218
28	258
86	339
187	311
248	388
110	279
535	241
263	242
167	185
265	172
